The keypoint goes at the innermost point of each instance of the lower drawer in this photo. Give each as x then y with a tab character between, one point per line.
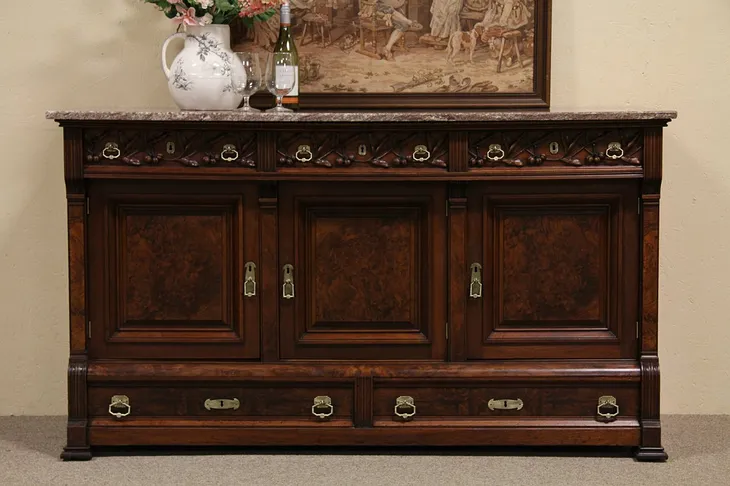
260	403
397	401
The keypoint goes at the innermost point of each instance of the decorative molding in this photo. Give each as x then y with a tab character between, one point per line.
384	150
572	148
154	148
77	441
364	401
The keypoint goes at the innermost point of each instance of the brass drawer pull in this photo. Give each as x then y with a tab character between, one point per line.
614	151
323	402
222	404
120	401
249	284
111	151
421	153
407	403
495	153
607	408
475	288
288	287
229	153
304	154
505	404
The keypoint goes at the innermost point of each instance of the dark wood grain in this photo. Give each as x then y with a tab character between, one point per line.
547	400
559	270
171	265
270	400
362	264
381	256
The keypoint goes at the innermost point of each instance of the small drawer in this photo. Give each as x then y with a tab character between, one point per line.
400	402
373	151
160	148
314	402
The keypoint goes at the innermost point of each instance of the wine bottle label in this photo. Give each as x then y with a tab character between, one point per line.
287	76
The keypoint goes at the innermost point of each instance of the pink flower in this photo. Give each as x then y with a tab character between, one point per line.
187	17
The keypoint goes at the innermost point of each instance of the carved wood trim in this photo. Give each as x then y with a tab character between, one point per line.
384	150
575	148
458	152
73	166
77	441
160	148
363	401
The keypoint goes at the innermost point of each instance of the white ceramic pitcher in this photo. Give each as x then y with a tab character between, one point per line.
202	76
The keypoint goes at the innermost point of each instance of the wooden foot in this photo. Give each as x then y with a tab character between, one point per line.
76	454
650	454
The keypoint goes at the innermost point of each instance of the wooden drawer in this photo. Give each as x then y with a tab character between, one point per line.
260	403
363	151
170	148
460	401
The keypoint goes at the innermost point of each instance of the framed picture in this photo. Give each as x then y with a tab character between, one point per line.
390	54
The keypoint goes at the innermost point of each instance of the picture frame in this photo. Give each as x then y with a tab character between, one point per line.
416	54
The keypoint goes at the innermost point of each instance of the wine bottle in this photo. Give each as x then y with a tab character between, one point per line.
285	43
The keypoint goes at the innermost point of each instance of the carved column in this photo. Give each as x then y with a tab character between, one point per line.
77	442
651	441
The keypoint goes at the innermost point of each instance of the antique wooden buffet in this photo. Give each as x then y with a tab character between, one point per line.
401	278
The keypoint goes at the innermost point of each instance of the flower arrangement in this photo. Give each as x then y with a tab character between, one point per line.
204	12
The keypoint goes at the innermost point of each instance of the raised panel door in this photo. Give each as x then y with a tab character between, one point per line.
368	272
167	271
560	270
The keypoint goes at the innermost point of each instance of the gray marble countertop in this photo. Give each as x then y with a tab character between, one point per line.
356	116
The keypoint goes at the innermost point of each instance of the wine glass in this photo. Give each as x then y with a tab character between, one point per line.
280	77
251	83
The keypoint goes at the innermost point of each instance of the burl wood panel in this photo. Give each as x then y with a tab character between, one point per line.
559	270
365	267
166	271
262	400
77	274
174	266
363	259
553	264
472	400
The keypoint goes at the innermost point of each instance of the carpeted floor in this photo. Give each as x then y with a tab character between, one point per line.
698	446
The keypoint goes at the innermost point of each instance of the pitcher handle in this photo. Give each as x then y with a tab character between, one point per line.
179	35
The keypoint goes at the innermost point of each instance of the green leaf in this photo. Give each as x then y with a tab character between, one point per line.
225	5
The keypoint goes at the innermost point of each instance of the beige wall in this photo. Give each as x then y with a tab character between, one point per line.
607	54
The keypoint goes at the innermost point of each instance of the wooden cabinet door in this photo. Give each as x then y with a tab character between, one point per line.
560	270
167	268
368	268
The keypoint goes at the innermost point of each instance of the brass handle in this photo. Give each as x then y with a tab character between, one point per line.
222	404
421	153
614	151
495	152
229	153
120	401
475	288
608	408
249	284
111	151
405	402
323	402
304	154
288	288
505	404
